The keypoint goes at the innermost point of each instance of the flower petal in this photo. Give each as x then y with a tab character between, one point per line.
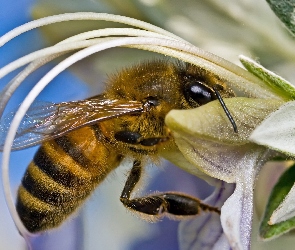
286	210
280	210
282	139
210	121
237	211
207	140
205	231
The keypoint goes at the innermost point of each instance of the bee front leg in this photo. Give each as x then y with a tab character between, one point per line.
173	203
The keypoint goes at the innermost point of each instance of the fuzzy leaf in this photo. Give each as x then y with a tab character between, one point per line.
278	130
279	84
276	199
285	11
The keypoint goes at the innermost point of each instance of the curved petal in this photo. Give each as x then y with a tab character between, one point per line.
205	231
237	211
210	122
282	139
207	140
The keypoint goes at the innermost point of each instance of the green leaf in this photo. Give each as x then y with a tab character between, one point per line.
285	11
277	196
279	84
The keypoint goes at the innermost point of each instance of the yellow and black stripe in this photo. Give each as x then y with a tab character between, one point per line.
62	174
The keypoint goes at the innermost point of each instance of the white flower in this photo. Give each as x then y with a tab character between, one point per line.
204	135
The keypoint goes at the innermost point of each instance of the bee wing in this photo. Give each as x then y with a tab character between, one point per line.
45	120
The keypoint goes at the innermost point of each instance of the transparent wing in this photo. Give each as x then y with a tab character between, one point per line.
45	120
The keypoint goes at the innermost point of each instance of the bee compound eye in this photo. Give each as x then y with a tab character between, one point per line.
199	92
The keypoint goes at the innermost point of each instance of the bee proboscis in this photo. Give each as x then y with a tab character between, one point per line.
83	141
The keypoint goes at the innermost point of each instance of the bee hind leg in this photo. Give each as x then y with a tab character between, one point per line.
172	203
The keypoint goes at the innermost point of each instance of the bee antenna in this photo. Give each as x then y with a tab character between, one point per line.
231	119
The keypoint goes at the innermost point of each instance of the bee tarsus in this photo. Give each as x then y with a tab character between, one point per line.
172	203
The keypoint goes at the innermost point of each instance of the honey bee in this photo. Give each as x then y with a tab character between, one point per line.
83	141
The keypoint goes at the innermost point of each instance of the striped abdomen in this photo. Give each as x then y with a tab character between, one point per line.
62	174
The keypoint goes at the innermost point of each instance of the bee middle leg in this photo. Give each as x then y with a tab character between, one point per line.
173	203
